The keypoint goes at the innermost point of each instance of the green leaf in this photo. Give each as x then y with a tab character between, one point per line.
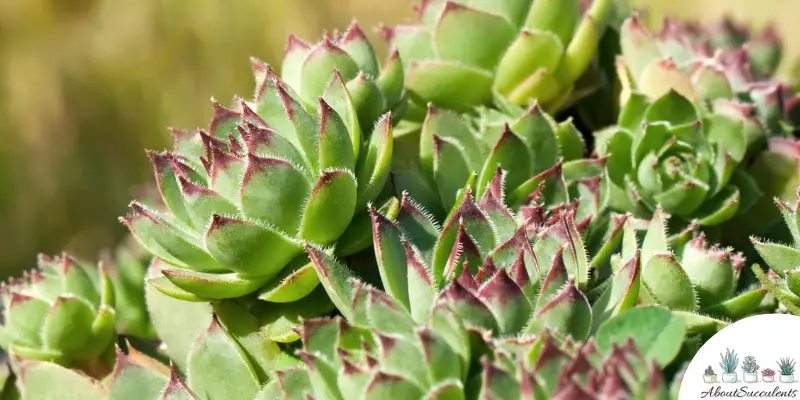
657	333
249	248
537	130
218	368
517	68
25	317
214	286
178	323
506	300
335	278
335	147
274	191
294	282
177	389
667	284
296	52
510	154
132	379
778	257
568	312
318	67
68	327
390	255
672	108
449	85
638	46
330	207
44	380
375	165
471	37
450	170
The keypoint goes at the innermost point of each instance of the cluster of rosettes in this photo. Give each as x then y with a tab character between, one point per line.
463	52
445	359
63	312
722	66
268	175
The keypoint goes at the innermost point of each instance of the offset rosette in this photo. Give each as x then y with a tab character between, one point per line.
62	312
243	195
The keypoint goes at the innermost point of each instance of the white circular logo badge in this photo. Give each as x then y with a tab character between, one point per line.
755	358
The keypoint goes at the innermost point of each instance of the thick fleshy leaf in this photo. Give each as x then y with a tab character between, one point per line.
246	331
318	67
249	248
738	307
335	147
177	389
373	169
448	125
778	257
450	170
44	380
621	295
468	307
203	202
274	191
449	85
402	357
471	37
167	182
710	271
516	72
667	284
132	379
391	78
294	282
507	301
390	255
296	52
218	367
638	46
510	154
68	327
657	333
356	44
330	207
25	316
385	386
537	130
568	312
214	286
662	77
335	278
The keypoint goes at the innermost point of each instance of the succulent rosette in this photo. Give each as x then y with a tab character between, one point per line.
722	66
671	153
465	54
63	312
264	177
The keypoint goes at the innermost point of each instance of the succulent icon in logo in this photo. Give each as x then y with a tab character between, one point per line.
750	368
709	376
729	362
786	366
768	375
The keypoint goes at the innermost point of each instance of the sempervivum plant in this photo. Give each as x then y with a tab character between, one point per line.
667	152
467	53
264	177
719	66
63	312
441	359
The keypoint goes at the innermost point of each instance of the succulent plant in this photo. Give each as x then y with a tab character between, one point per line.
465	54
712	66
62	312
709	371
768	372
786	366
309	68
750	365
729	361
264	177
126	268
668	152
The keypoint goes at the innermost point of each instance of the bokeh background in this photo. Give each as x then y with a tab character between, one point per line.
86	85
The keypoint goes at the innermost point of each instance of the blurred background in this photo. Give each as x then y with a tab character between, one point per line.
86	85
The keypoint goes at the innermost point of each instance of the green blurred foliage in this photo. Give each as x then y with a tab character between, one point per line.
85	85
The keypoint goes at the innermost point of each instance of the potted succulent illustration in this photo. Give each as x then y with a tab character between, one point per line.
750	368
786	366
709	376
728	364
768	375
